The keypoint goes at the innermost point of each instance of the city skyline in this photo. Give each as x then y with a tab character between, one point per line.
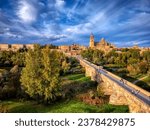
121	22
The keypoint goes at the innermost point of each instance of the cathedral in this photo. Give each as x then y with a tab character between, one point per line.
102	45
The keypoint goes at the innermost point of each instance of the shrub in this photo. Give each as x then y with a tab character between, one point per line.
8	92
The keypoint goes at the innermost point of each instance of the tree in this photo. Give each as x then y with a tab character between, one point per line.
18	58
50	75
143	67
65	66
98	57
40	77
88	54
31	73
133	69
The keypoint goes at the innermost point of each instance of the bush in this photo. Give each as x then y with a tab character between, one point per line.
8	92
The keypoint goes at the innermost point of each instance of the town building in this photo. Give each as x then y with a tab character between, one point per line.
102	45
4	47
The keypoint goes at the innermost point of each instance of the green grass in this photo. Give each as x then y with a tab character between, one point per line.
77	77
147	80
145	83
72	106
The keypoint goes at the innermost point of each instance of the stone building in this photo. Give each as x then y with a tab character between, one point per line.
64	48
102	45
4	47
29	46
16	47
73	49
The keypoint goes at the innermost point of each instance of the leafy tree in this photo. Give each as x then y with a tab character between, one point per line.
65	66
133	61
88	54
146	56
31	75
98	57
40	77
134	53
143	67
50	74
18	58
133	69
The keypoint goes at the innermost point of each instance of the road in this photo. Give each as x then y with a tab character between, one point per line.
121	83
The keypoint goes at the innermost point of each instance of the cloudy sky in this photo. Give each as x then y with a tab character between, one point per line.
122	22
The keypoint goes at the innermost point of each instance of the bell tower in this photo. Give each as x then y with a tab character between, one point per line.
91	41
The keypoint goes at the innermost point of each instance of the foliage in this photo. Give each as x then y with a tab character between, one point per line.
40	77
143	67
95	56
18	58
65	66
5	58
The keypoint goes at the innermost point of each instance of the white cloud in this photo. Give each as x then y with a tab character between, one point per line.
59	4
27	12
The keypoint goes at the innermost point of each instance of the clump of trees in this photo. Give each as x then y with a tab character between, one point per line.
10	58
35	73
132	59
95	56
40	76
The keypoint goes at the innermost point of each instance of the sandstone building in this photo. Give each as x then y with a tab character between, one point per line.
15	47
73	49
4	47
102	45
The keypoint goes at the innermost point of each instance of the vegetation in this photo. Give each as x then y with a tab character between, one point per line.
44	80
71	102
72	106
40	76
127	63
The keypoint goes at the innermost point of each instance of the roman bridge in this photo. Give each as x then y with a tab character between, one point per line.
121	91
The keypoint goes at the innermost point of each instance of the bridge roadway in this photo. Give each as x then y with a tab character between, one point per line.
138	94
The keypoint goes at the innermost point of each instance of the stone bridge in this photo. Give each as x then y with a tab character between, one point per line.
121	91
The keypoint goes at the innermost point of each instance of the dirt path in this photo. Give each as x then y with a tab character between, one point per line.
139	79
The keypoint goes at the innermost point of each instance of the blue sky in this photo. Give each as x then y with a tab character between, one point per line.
122	22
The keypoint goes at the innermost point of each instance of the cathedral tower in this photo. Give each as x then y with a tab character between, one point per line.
91	40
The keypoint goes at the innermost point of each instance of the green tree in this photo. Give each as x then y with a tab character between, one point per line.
143	67
65	66
32	72
98	57
50	75
18	58
40	77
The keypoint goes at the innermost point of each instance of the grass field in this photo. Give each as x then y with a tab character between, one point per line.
77	77
72	105
145	83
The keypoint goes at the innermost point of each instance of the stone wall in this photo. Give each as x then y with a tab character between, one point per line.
118	95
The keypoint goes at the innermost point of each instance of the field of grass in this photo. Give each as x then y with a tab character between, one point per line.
72	106
145	83
77	77
79	83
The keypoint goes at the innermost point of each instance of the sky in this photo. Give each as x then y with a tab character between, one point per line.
62	22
